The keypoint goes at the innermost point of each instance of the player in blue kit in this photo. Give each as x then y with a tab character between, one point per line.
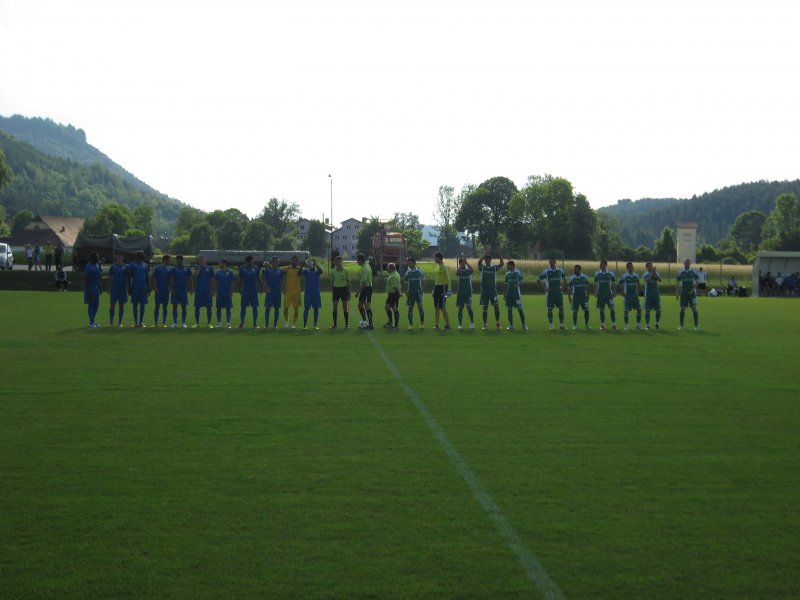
159	282
180	278
203	276
312	272
223	280
273	279
249	286
91	287
118	274
140	287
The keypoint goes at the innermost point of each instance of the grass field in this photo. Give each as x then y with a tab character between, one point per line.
346	464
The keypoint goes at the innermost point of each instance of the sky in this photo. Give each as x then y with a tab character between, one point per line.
229	103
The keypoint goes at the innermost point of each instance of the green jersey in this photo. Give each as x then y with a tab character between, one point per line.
603	281
414	279
464	277
630	285
553	279
393	282
686	281
365	275
579	284
513	281
339	278
489	277
650	285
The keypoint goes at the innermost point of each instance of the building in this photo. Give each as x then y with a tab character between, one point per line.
345	239
59	231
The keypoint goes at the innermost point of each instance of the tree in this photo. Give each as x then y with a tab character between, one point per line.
665	250
746	229
606	243
781	229
403	222
643	254
21	219
188	219
707	253
112	218
281	217
256	236
201	237
316	240
446	209
416	243
5	230
485	210
6	174
364	235
143	218
229	226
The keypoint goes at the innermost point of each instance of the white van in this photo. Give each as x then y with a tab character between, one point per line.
6	257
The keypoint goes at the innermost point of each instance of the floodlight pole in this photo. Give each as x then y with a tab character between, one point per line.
330	256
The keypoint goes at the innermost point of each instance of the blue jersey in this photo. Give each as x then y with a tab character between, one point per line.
140	272
225	278
180	278
248	275
91	275
202	280
161	274
312	280
118	272
273	277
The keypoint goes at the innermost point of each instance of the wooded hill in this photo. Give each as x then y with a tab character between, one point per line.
57	173
641	222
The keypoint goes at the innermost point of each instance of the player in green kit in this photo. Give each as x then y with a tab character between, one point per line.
393	293
340	290
488	273
652	299
513	295
604	291
629	282
578	290
686	292
414	278
552	280
464	295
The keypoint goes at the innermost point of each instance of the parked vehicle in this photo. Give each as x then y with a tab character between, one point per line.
6	256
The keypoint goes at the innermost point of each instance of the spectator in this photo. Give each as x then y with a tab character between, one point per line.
61	280
779	289
48	256
733	288
702	280
37	256
58	255
29	256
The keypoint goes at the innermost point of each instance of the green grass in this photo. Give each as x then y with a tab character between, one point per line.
248	463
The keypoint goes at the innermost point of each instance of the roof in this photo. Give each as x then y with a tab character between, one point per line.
65	228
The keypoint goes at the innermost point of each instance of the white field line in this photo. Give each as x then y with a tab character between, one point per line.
530	563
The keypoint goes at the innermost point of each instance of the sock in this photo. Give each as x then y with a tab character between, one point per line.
141	313
421	316
363	313
471	314
316	316
625	318
586	317
521	316
347	318
550	316
255	316
658	317
510	317
613	317
183	314
602	316
410	315
647	317
397	318
197	314
638	317
175	313
485	314
389	315
305	315
696	319
111	315
335	317
561	316
460	315
369	316
497	314
682	313
574	318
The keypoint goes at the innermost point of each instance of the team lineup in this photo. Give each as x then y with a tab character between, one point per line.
281	287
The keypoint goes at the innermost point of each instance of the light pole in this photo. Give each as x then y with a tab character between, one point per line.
331	252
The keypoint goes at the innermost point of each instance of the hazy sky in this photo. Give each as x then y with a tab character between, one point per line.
230	103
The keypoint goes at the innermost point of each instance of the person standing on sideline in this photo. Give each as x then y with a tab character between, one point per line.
652	299
37	256
365	290
91	287
702	281
180	277
61	280
29	256
441	289
604	291
58	255
273	282
686	292
118	276
48	257
553	279
203	278
513	295
291	296
340	290
629	282
159	281
464	294
414	278
140	287
223	283
313	299
249	286
578	290
488	273
393	292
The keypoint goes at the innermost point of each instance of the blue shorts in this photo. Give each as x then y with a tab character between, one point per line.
162	297
250	299
202	300
273	299
180	297
91	296
312	300
118	296
224	301
139	296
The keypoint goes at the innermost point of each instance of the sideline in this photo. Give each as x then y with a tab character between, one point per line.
528	560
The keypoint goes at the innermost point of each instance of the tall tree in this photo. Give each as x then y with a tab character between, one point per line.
257	236
5	230
665	249
403	222
188	219
485	210
746	229
365	233
782	227
6	174
143	218
21	219
444	215
316	240
281	217
112	218
202	237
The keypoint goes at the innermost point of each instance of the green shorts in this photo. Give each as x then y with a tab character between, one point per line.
413	297
603	301
489	297
464	298
652	302
633	303
689	300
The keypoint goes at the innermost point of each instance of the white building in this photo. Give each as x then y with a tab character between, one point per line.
346	238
